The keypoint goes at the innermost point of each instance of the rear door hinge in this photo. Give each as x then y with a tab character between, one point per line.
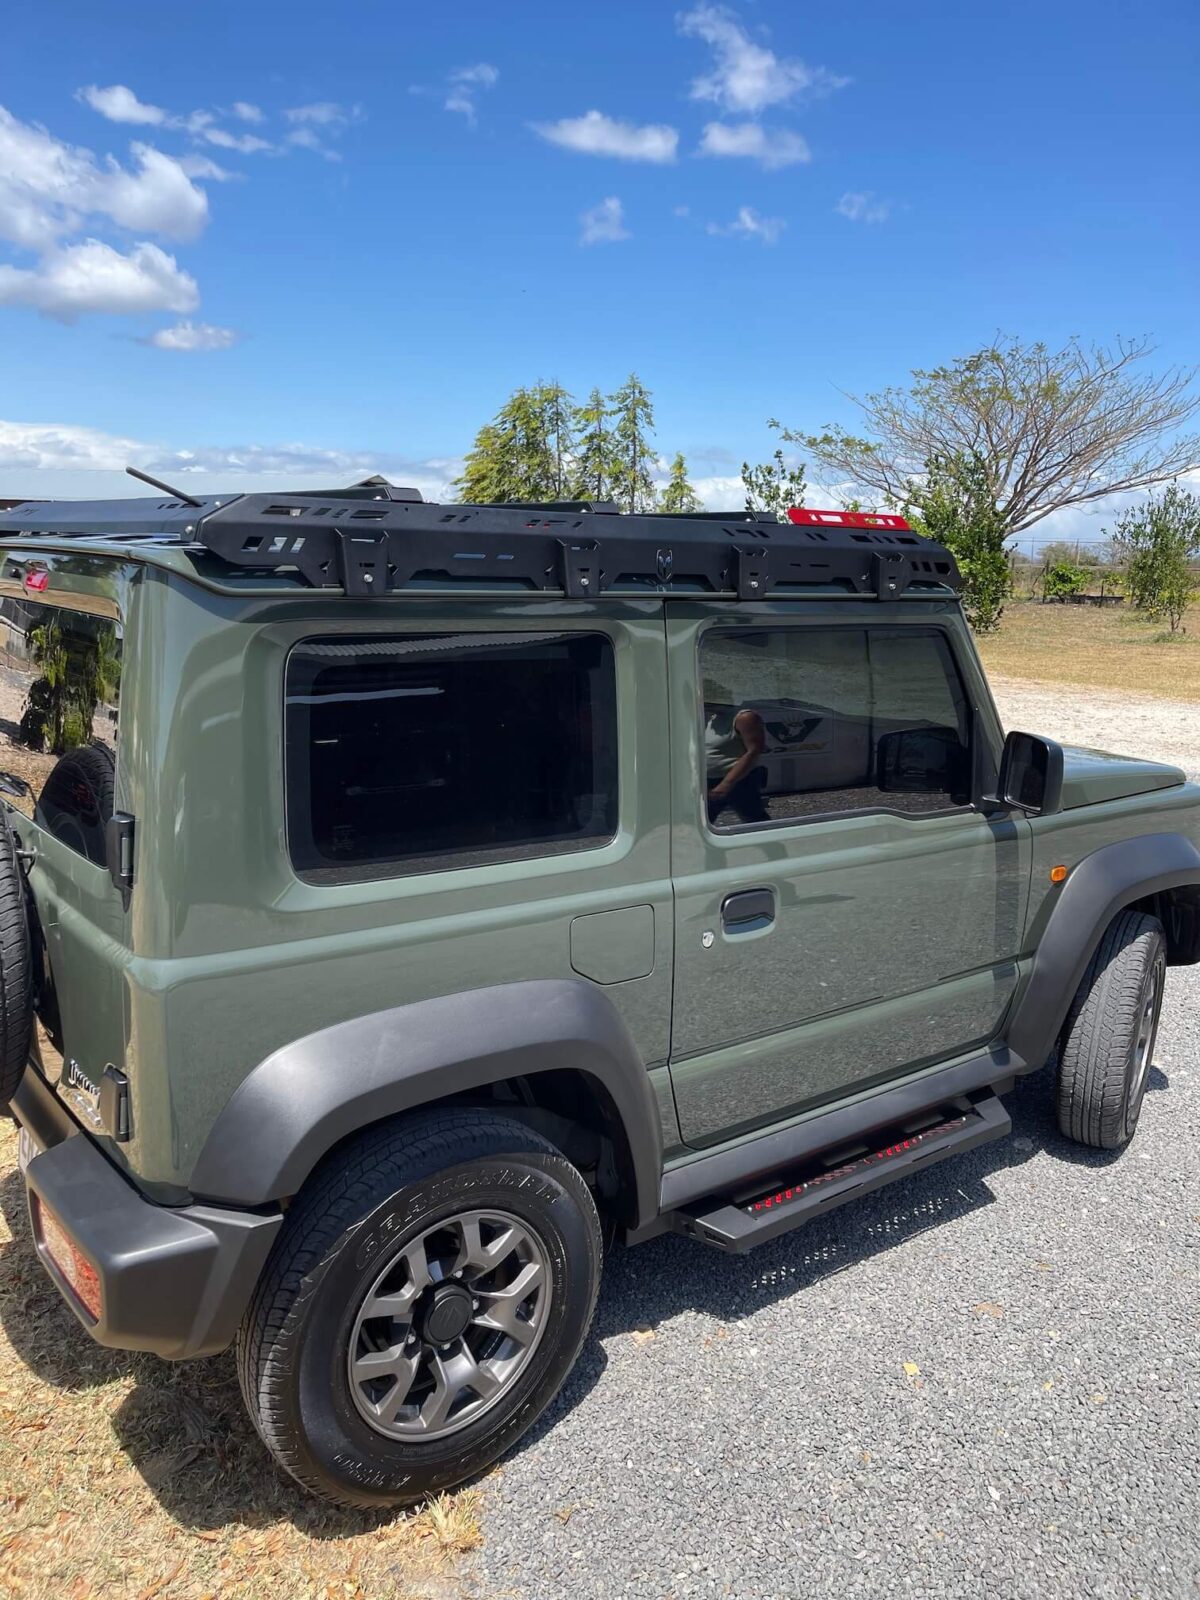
119	842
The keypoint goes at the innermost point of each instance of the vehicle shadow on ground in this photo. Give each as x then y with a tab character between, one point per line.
659	1280
184	1428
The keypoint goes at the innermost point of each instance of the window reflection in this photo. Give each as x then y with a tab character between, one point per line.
809	721
60	677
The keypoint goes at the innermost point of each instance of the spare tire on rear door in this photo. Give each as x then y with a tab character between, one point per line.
16	969
77	801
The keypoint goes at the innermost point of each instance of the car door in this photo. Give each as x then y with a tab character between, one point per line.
843	911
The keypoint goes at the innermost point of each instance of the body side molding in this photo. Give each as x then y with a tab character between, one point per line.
1098	887
305	1097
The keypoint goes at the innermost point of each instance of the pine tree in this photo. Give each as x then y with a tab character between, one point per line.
679	496
595	460
484	477
633	423
525	452
558	424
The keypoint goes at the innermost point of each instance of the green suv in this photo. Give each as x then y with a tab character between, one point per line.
399	902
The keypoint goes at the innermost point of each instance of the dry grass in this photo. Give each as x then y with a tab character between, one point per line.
124	1476
1109	648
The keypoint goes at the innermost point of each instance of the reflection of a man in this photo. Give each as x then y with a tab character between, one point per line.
734	742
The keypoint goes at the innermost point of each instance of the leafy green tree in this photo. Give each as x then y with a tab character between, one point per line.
632	413
525	453
952	502
679	496
1048	428
1063	578
1159	540
595	461
773	486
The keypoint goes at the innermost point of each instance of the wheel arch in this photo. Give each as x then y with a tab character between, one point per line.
1156	872
554	1053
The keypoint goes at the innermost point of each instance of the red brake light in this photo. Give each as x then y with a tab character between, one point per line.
848	519
37	581
79	1273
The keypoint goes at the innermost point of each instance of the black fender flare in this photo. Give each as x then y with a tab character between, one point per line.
1097	888
310	1094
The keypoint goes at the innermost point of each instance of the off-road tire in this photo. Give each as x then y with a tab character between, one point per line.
377	1194
1104	1051
16	969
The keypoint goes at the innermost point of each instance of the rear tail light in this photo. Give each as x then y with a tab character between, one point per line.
77	1271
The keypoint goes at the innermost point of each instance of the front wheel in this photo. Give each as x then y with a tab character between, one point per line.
425	1300
1107	1045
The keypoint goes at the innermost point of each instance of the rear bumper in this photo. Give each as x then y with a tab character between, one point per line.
173	1280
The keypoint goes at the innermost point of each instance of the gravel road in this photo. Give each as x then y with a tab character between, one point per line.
981	1382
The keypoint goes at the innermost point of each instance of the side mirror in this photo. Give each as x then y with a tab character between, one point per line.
1031	775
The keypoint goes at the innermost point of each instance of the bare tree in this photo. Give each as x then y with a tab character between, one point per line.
1050	428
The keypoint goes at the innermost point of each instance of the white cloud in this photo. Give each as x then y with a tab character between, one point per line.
594	134
604	223
721	493
324	113
189	336
747	76
306	138
61	459
246	112
750	224
49	189
197	166
120	104
863	207
314	126
776	148
465	83
246	144
91	276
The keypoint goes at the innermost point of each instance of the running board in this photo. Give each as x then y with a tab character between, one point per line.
740	1222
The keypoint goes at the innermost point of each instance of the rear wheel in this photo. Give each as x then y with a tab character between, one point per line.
1107	1044
426	1298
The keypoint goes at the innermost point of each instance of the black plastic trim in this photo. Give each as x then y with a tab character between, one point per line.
726	1170
174	1282
36	1106
1074	920
301	1101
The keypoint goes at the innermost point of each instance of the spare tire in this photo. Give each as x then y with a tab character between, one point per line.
77	800
16	969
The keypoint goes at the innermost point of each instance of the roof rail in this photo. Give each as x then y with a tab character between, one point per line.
374	539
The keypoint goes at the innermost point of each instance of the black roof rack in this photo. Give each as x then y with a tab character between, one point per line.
374	539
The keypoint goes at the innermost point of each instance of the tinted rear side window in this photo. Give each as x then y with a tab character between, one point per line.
419	753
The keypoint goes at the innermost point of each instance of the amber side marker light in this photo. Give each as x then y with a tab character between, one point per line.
1057	874
78	1272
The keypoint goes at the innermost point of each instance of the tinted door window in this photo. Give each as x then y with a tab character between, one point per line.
417	753
803	722
60	684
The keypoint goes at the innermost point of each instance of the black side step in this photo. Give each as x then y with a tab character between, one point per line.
738	1224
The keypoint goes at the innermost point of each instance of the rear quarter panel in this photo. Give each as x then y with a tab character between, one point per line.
237	956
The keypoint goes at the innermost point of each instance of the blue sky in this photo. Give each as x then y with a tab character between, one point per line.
375	221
